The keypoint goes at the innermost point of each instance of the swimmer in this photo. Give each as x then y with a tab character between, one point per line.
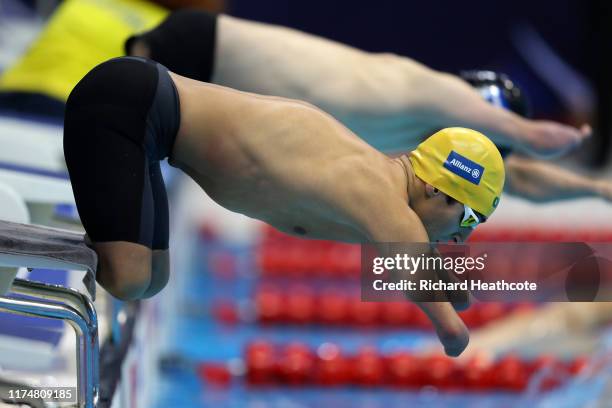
535	180
388	100
279	160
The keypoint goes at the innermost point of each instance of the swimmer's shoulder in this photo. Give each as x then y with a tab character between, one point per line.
369	190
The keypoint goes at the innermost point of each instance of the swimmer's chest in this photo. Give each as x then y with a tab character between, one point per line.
290	212
317	229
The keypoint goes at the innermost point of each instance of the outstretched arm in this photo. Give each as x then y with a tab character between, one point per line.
397	223
389	100
551	320
542	182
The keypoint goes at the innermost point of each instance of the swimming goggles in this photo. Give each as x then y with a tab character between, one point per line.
471	218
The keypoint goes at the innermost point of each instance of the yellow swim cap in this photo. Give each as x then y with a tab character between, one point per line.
463	164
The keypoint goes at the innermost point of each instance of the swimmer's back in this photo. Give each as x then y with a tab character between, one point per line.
270	148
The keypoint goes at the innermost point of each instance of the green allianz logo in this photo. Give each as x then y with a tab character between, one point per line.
464	167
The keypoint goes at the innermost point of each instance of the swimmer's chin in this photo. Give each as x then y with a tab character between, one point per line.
448	240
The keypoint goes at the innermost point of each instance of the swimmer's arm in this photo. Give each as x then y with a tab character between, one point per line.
396	222
362	89
540	181
275	60
446	100
551	320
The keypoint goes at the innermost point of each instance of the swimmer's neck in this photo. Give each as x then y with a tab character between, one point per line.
414	186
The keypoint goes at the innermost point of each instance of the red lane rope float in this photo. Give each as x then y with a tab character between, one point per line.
295	364
302	305
282	255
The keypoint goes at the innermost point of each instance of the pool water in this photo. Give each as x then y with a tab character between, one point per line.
198	337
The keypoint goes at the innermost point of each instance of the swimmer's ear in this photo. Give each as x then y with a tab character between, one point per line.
431	191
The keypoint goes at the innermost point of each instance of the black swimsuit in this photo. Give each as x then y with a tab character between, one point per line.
121	120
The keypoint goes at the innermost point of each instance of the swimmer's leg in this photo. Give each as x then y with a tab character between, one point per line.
152	266
104	129
124	268
160	266
115	203
160	272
